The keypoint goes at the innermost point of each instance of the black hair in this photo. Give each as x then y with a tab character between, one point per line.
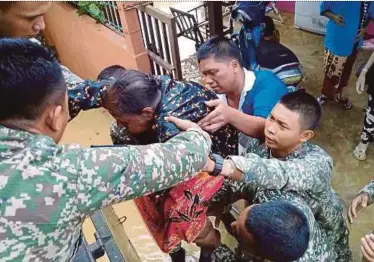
280	231
306	105
30	79
5	5
110	71
220	48
269	27
133	91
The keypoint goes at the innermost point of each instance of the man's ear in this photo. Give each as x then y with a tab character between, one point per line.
55	118
307	135
235	65
148	113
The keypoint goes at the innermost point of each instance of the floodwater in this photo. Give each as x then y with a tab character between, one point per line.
338	134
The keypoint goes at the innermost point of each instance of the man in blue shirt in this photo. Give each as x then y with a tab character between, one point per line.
344	37
246	97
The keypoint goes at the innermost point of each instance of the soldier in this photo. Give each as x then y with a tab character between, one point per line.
26	19
47	190
361	201
277	226
288	162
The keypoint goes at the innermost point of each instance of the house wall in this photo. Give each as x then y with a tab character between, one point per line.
86	47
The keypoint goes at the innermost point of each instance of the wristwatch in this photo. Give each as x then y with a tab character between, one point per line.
218	160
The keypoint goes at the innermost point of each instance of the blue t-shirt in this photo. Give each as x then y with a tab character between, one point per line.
266	92
341	40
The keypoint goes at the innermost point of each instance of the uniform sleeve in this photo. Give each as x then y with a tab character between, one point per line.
369	189
83	95
86	95
223	253
312	172
112	174
271	91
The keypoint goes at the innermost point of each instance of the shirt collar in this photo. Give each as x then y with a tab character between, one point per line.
249	81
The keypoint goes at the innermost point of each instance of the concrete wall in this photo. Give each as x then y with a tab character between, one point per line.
87	47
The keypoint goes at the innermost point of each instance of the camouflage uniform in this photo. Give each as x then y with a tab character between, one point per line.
306	171
319	249
369	189
83	95
47	190
184	100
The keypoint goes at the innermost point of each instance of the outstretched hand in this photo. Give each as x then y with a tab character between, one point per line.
360	84
216	119
358	203
181	123
339	20
367	248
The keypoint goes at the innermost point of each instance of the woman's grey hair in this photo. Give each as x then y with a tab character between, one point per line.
133	91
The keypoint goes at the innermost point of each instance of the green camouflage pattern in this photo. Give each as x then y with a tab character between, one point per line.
47	190
319	250
307	171
83	95
369	189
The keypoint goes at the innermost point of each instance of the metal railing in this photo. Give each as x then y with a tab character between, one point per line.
112	18
109	14
160	39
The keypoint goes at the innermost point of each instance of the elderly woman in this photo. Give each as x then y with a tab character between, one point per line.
139	103
366	78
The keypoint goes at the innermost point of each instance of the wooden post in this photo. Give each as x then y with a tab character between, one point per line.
215	18
133	36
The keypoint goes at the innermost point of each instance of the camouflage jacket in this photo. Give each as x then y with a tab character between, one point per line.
308	172
184	100
47	190
319	249
83	95
369	189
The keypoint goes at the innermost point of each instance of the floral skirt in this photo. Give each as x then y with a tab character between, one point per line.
338	70
179	213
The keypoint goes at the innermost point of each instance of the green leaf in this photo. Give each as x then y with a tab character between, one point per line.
82	11
83	3
94	10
